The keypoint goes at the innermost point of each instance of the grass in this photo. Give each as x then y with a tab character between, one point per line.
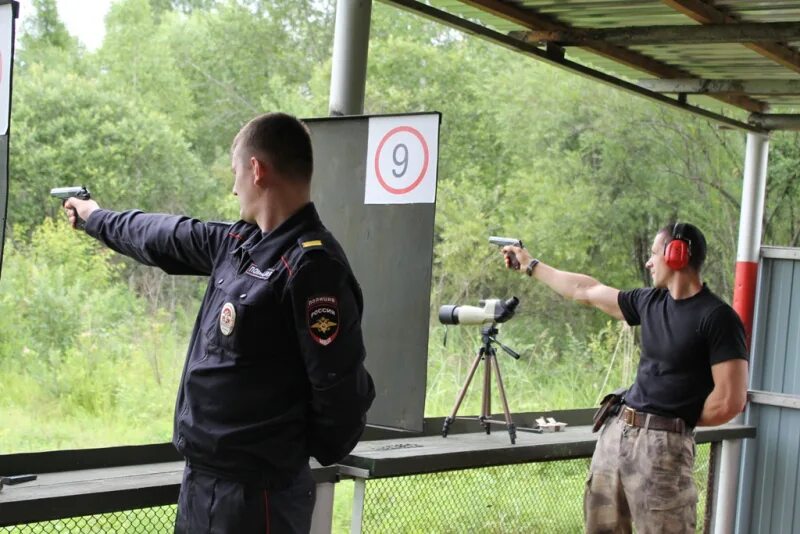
136	408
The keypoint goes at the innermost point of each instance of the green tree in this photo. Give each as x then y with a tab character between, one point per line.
241	59
69	131
135	62
46	29
781	216
45	40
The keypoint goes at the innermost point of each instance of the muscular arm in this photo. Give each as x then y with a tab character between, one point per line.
578	287
729	394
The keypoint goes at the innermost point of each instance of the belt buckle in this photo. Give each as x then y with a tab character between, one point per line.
629	416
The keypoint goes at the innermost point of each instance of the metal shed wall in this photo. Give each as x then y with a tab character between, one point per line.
769	489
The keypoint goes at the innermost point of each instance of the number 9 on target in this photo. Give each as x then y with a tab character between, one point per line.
402	159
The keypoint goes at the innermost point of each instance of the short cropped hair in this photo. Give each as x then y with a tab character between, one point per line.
281	138
692	234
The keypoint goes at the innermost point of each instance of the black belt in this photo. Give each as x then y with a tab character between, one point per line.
631	417
270	481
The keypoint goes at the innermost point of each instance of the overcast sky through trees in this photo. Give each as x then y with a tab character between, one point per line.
83	18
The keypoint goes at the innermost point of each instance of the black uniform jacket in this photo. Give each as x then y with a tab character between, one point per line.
274	372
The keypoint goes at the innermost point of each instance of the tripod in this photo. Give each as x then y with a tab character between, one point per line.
489	357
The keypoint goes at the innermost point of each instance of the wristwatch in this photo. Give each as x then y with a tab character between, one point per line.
531	266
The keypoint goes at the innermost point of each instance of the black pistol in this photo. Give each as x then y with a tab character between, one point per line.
504	242
68	192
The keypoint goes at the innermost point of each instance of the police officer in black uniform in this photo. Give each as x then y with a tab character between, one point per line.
275	368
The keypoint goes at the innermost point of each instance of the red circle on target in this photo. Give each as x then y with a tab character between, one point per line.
415	183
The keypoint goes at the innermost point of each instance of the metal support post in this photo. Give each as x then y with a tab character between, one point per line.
350	49
359	495
322	518
753	193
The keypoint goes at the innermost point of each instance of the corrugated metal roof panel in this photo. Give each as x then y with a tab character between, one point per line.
731	61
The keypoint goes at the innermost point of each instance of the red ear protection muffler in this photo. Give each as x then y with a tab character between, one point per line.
677	251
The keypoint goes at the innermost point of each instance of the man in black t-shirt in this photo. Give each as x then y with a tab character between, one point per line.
692	371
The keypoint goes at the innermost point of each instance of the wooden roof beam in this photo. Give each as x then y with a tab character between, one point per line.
482	32
708	14
775	121
535	21
694	86
742	32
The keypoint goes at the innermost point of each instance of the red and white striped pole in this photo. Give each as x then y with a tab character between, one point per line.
744	296
752	213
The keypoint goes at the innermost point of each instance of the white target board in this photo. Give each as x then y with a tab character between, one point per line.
6	47
402	158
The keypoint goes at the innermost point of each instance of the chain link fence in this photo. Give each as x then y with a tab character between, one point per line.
527	498
142	521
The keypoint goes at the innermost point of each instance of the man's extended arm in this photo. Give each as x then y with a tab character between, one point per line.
729	394
578	287
178	245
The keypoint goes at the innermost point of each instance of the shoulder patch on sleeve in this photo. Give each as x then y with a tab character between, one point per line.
311	243
322	317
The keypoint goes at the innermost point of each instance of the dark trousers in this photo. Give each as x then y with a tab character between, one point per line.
211	505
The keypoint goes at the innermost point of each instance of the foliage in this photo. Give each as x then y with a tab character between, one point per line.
68	131
46	31
76	345
136	63
781	217
241	59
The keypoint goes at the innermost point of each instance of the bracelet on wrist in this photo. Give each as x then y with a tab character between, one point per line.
531	266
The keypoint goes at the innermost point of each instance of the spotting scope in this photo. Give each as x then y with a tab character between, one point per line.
487	311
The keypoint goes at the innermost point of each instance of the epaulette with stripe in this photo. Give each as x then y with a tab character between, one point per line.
306	243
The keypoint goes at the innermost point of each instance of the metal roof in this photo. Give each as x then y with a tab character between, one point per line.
734	61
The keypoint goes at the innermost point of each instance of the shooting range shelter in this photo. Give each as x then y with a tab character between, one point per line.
687	54
684	54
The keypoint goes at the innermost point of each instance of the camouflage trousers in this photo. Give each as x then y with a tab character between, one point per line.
641	476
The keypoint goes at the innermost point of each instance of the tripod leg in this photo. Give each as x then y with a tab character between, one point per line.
486	411
460	398
512	429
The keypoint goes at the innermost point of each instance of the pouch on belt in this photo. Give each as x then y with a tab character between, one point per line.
608	406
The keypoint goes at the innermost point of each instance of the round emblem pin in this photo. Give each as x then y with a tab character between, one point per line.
227	319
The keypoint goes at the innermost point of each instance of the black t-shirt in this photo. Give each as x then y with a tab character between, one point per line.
681	340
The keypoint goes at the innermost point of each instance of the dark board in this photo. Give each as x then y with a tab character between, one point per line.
390	248
3	193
